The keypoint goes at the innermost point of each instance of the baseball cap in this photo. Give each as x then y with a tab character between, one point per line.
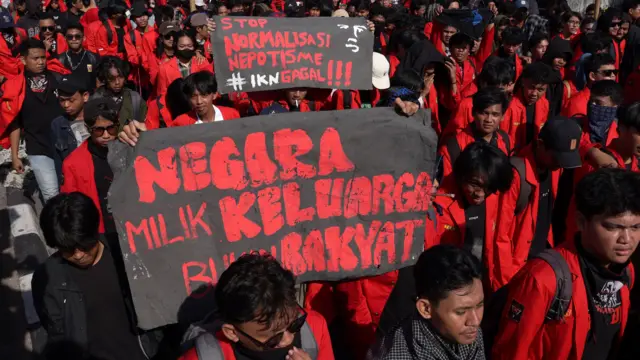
521	4
380	69
6	20
199	19
101	106
72	83
340	13
139	9
562	136
200	3
168	27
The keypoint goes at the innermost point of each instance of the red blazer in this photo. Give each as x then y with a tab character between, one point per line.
515	120
461	118
103	47
393	64
464	138
451	226
78	173
89	17
61	43
486	46
318	327
534	338
516	232
518	62
169	71
91	36
577	104
190	118
156	111
431	102
465	85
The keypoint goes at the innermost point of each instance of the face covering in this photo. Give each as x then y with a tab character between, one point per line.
186	54
600	120
274	354
379	27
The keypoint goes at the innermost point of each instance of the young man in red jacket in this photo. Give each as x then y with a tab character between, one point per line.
201	89
261	318
598	67
598	258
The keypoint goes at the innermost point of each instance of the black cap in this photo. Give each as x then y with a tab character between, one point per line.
101	106
72	83
139	9
561	135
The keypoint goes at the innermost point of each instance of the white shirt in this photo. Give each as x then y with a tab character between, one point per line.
217	116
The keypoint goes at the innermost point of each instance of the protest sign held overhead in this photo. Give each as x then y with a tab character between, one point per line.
332	195
258	54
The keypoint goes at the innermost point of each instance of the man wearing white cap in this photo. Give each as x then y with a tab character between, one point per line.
355	99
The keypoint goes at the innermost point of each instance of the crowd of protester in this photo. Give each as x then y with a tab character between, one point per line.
536	193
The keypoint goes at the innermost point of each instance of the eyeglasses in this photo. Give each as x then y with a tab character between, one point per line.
74	37
273	341
47	28
608	72
99	130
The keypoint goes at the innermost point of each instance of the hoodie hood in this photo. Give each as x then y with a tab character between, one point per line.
558	48
419	56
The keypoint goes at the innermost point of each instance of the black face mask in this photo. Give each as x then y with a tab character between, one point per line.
273	354
186	54
237	13
379	26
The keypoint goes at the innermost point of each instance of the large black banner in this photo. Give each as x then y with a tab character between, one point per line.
332	195
257	54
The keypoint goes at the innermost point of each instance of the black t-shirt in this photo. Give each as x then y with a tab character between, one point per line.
474	229
38	110
109	330
80	65
545	213
103	176
603	290
531	122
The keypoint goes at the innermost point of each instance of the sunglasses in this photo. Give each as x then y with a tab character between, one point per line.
47	28
616	24
169	36
74	37
608	72
273	341
99	130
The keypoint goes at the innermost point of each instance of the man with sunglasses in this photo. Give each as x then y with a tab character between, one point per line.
598	67
80	61
260	317
53	40
86	169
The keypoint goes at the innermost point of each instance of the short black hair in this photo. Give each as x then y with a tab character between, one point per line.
536	39
459	40
181	34
177	102
487	161
629	116
594	42
608	88
405	38
202	81
497	72
45	15
588	20
539	73
596	61
70	221
608	192
442	269
489	96
630	4
256	288
569	14
512	35
111	62
74	26
28	44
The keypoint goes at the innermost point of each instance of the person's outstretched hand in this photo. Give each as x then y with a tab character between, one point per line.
131	132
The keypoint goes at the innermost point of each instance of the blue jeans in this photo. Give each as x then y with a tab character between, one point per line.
44	168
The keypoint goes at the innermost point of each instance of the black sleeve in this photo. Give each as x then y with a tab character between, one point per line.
47	306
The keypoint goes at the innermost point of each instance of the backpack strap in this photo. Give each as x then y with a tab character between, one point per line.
453	148
309	344
109	32
525	187
564	284
346	99
208	347
136	100
163	124
132	36
507	141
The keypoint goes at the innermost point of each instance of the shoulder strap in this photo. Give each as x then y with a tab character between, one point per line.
473	65
507	141
525	187
109	32
163	124
346	99
454	149
132	35
136	101
208	348
564	284
309	344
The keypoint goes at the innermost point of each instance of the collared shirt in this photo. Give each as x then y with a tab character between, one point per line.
217	116
185	69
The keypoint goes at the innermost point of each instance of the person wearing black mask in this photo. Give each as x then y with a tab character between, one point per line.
244	292
185	62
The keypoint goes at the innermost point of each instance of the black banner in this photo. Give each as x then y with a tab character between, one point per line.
257	54
332	195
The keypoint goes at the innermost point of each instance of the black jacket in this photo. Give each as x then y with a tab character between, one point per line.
60	305
93	59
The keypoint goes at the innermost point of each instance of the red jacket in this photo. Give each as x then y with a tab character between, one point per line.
91	36
431	102
169	71
62	5
451	226
515	232
78	173
61	43
515	120
577	104
460	119
338	101
316	322
464	138
531	337
102	44
393	64
190	118
486	46
89	17
157	112
518	62
465	85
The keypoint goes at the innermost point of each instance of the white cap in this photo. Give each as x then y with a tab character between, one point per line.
199	2
380	78
340	13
